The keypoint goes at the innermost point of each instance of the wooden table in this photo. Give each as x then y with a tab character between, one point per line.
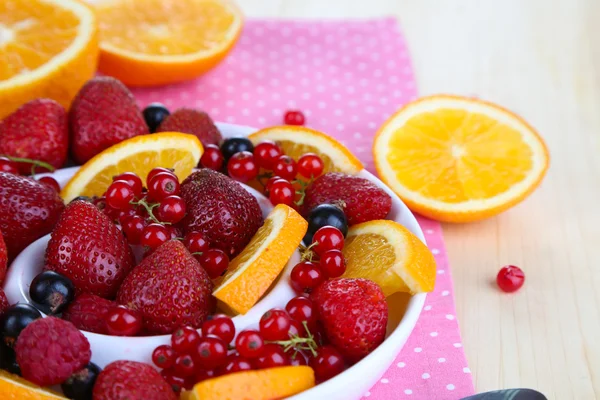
540	58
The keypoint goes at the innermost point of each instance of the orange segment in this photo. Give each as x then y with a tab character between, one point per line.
265	384
458	159
252	272
139	154
391	256
153	42
15	387
48	48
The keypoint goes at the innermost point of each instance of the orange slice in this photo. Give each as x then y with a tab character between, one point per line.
139	154
265	384
48	48
155	42
252	272
391	256
458	159
15	387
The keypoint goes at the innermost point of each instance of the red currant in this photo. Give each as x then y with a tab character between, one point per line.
310	165
275	324
510	278
195	242
285	167
302	309
133	227
163	356
296	329
221	326
50	182
327	238
202	375
298	358
281	192
162	185
305	277
177	382
293	117
333	263
266	154
174	232
212	157
171	209
242	167
134	181
119	195
249	343
7	165
156	171
184	365
121	321
236	363
270	182
272	356
327	363
211	352
185	340
214	261
154	235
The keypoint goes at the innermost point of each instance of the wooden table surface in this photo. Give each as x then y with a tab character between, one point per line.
540	58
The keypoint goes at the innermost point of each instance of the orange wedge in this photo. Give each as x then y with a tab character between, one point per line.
155	42
390	255
48	48
15	387
252	272
265	384
139	154
458	159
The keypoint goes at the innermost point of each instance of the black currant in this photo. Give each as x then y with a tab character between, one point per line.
15	319
325	215
9	360
154	114
82	198
51	292
235	145
79	385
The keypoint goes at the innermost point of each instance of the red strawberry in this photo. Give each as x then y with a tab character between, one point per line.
89	249
354	315
38	130
3	258
132	380
187	120
87	312
221	209
28	211
103	114
169	288
360	198
4	304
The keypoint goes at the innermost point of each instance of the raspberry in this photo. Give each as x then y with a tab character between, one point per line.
88	311
49	350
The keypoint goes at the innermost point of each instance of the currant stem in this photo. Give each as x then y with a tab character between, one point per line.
149	208
298	343
34	163
260	177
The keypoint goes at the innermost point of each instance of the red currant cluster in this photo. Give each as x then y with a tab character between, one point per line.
323	259
122	321
11	166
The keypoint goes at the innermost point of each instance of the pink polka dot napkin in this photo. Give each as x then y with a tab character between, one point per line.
347	78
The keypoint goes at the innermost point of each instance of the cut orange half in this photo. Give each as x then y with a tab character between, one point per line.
391	256
179	151
252	272
15	387
155	42
48	48
458	159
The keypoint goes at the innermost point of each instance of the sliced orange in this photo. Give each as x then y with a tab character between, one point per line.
458	159
252	272
155	42
15	387
391	256
139	154
264	384
48	48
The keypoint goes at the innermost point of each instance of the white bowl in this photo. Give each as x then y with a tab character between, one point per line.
350	384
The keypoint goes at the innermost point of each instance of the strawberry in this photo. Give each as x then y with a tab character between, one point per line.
28	211
38	130
131	380
198	123
3	258
103	114
87	312
354	315
169	288
4	304
89	249
221	209
360	198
